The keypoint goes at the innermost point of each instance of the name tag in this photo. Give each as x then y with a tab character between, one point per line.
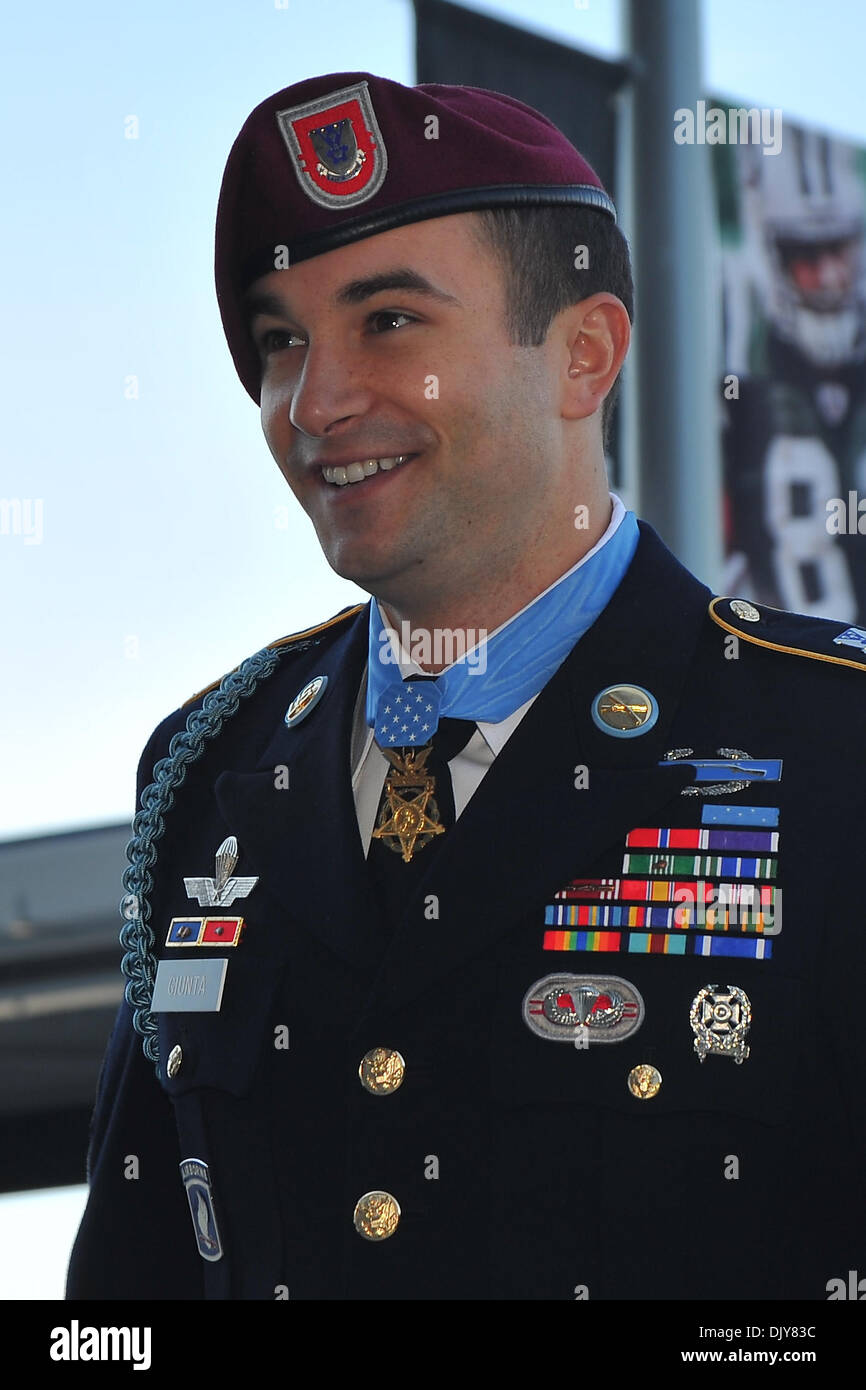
187	987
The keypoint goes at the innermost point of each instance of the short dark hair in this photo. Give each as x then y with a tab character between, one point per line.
537	248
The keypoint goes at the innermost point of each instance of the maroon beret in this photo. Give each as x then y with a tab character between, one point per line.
345	156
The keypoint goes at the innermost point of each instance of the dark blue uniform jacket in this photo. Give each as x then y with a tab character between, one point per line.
552	1180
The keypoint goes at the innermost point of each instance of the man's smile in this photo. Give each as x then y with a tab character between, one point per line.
359	470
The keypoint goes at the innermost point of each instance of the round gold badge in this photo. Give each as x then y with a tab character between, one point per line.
644	1081
381	1071
377	1215
175	1061
624	711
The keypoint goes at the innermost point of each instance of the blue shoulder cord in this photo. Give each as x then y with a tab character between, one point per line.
136	936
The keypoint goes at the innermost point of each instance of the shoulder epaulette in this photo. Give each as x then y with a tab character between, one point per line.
293	639
819	639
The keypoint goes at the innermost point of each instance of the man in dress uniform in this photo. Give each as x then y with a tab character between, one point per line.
456	953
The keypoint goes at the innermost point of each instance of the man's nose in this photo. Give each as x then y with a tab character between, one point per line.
331	387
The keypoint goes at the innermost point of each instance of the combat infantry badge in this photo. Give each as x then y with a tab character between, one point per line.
730	771
721	1019
222	889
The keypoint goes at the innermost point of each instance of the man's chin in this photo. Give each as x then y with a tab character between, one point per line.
374	573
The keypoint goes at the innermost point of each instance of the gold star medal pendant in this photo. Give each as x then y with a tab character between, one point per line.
406	722
408	814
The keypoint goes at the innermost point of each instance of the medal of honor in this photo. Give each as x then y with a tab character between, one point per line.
409	815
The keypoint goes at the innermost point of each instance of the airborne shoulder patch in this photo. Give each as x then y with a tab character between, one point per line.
294	638
819	639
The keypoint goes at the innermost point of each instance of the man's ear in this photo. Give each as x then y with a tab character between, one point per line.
597	337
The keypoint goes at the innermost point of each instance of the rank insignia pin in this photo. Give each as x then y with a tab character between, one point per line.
222	889
196	1179
721	1019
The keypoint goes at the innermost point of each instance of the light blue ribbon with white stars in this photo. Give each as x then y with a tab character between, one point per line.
408	713
519	658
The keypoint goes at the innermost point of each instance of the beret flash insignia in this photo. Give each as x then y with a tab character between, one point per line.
336	147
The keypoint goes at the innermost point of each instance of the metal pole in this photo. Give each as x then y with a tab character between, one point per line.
677	314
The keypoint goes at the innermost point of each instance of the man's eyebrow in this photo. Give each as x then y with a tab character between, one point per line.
402	278
261	302
353	292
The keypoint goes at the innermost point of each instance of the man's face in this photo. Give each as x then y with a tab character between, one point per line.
396	347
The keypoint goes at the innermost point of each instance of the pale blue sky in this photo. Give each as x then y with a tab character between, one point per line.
162	562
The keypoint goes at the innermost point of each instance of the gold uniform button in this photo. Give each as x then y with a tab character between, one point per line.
175	1058
377	1215
747	611
644	1081
382	1071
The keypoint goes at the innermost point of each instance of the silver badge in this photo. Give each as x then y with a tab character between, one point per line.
731	784
720	1020
189	987
603	1008
196	1180
222	889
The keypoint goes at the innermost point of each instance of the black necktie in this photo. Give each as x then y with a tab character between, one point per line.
411	824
